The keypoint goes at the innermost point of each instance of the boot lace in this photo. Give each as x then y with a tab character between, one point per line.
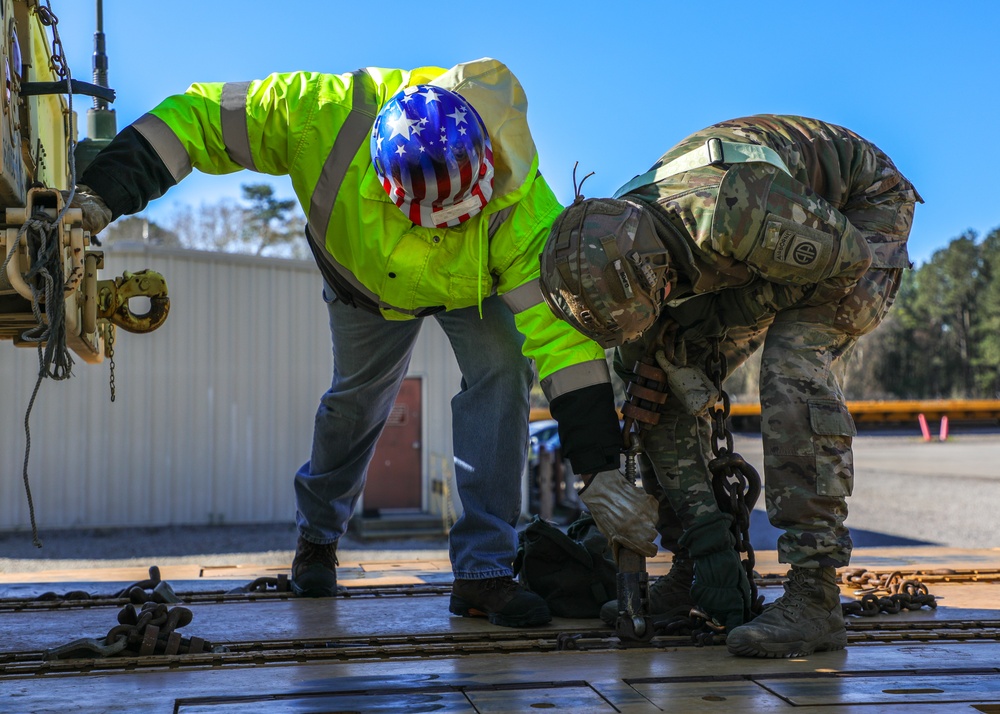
796	594
676	582
502	585
308	553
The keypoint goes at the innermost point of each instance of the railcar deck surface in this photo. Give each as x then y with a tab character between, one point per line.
389	645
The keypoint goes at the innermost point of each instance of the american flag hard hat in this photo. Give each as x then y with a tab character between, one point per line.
433	156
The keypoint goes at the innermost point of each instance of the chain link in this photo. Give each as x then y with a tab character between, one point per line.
735	482
151	631
899	593
111	357
57	63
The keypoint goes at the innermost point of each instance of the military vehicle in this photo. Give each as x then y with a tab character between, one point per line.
51	293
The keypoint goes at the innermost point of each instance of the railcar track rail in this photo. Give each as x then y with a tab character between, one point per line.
387	647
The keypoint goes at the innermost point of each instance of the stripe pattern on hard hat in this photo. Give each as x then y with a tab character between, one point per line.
433	155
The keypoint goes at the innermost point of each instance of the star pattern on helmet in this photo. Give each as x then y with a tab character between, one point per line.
401	126
444	192
430	96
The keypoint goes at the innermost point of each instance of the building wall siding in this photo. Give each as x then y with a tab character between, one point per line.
214	410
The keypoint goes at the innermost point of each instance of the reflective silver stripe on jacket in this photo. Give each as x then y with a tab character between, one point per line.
496	220
523	297
352	135
166	145
575	377
235	134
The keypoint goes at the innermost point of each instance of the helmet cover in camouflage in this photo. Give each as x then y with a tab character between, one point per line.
604	269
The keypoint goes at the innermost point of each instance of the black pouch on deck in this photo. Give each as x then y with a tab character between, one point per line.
574	572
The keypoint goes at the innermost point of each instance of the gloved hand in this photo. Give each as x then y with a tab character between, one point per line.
623	512
721	587
96	214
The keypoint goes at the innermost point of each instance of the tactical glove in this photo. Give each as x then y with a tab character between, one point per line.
96	214
721	587
623	512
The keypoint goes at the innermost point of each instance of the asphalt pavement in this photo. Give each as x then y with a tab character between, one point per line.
911	492
907	492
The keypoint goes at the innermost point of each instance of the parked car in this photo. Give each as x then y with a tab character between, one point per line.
541	434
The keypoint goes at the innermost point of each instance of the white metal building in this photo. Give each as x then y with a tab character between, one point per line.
214	410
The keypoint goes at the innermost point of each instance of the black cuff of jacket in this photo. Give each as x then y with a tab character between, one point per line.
127	174
589	432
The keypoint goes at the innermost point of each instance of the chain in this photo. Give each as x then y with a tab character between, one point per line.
901	593
111	357
57	63
715	367
150	631
735	482
263	584
152	589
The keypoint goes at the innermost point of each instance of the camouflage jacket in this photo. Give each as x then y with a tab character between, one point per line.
779	240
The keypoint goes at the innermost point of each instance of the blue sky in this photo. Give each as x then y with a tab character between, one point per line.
611	84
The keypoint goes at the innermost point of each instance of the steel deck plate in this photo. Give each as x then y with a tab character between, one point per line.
870	676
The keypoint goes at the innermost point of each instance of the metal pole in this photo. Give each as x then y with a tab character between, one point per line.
101	123
100	57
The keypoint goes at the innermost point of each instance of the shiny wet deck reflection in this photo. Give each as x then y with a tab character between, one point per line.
405	653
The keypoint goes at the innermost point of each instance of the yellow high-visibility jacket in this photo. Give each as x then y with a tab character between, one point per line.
315	128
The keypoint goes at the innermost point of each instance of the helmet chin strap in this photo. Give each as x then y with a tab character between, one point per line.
665	293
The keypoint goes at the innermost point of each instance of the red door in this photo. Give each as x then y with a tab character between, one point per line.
394	475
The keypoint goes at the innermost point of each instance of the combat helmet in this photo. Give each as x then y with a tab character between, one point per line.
604	270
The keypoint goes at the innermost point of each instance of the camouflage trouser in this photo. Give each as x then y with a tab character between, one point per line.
676	452
806	428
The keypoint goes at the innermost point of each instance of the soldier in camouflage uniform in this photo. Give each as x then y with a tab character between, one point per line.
775	231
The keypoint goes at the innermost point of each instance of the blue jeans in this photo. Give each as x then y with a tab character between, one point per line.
489	427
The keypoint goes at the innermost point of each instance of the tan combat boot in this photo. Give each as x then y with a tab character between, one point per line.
806	619
669	595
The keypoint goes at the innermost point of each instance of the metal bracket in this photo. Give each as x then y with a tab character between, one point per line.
113	297
634	625
34	89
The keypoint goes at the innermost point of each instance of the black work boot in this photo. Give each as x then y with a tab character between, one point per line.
502	600
669	595
806	619
314	569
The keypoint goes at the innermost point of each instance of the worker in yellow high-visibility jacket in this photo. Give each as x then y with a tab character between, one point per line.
423	197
